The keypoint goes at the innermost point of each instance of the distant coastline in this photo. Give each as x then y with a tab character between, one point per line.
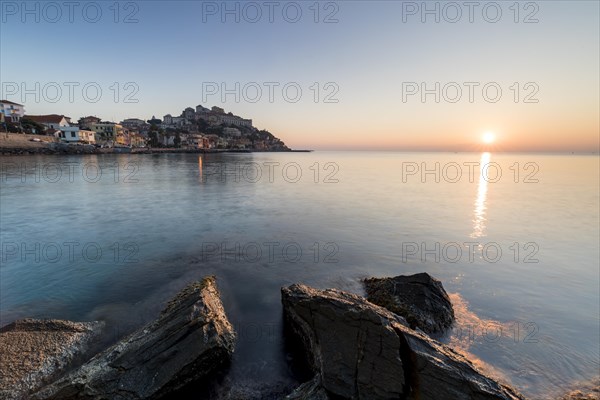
18	144
20	151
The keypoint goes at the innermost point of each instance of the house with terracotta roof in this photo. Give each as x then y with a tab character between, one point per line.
55	122
10	111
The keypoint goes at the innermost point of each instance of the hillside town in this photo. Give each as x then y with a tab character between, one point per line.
194	129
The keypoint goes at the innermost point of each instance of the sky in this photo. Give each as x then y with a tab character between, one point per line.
389	75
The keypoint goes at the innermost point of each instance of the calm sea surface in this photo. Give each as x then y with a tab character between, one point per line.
112	237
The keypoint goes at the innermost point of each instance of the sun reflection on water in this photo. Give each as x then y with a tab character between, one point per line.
479	212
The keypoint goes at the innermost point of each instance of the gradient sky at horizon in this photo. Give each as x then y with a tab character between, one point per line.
176	48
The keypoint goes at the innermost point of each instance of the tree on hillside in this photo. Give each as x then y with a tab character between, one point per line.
153	139
153	136
154	121
202	125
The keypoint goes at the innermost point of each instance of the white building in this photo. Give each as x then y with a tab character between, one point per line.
235	120
217	116
11	112
167	140
235	132
133	123
170	121
189	114
68	134
192	141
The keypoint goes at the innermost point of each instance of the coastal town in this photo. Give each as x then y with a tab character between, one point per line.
197	129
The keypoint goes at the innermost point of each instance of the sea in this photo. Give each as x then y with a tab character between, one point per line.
513	237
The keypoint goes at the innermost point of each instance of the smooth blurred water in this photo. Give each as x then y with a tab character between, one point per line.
530	316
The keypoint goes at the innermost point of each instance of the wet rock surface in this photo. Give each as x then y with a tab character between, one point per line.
191	339
589	391
311	390
359	350
420	299
33	352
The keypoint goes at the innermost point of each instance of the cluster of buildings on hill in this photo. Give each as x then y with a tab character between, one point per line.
199	128
215	116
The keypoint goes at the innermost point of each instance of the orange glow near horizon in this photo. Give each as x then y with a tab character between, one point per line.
456	134
460	135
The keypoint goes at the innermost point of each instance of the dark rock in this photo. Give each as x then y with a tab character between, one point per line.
34	352
419	298
311	390
359	350
346	337
191	339
589	391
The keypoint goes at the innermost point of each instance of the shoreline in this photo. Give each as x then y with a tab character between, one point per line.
75	150
22	145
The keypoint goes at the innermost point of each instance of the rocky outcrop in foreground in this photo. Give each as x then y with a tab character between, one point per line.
590	391
34	352
359	350
190	340
420	299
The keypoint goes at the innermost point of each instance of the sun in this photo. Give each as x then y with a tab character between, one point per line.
489	138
